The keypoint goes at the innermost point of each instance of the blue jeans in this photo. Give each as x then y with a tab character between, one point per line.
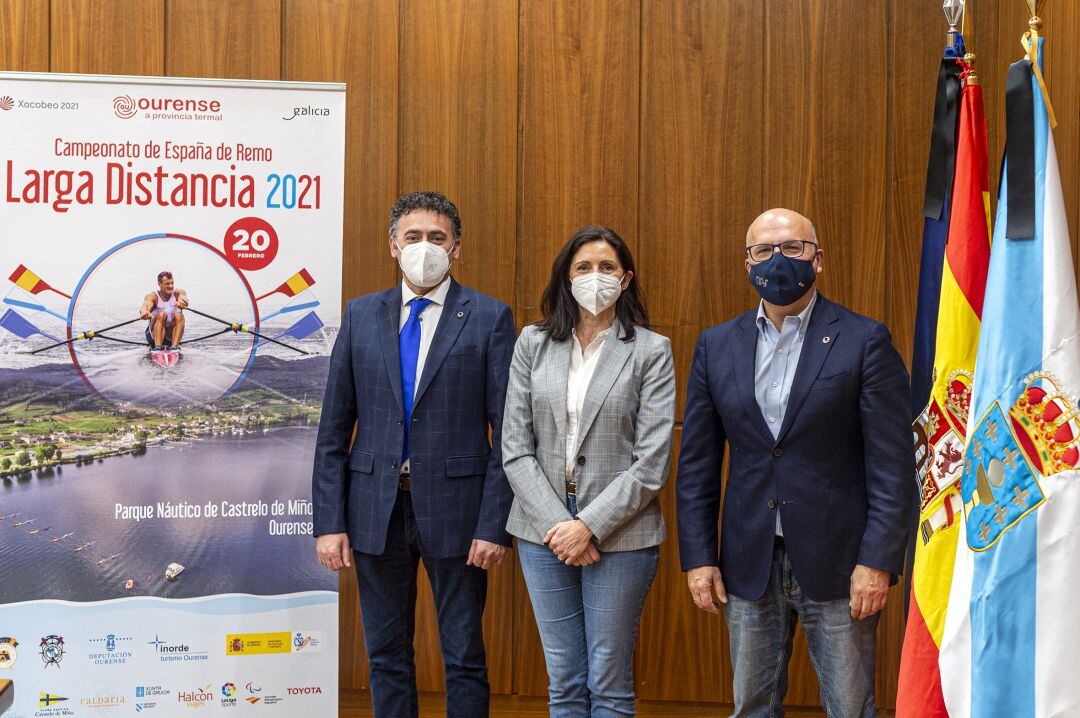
387	586
588	620
841	649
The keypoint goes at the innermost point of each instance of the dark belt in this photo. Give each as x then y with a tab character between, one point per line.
778	541
403	483
571	489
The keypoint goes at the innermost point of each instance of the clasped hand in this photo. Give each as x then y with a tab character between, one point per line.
571	542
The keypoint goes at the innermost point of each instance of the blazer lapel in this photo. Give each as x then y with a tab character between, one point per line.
818	342
613	356
556	377
454	314
389	321
744	353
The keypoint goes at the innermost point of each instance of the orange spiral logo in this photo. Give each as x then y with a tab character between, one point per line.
6	103
124	107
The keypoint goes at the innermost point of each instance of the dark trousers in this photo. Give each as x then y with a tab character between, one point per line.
387	585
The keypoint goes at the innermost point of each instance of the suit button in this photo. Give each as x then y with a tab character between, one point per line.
772	504
581	461
400	422
778	451
393	464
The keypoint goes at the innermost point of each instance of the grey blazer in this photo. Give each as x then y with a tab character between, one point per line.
624	438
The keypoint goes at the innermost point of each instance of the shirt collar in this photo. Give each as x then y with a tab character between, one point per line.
800	320
599	337
436	295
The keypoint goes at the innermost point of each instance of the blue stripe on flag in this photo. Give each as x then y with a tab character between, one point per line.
932	262
1003	591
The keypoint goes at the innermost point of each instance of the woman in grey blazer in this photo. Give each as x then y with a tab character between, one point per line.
586	441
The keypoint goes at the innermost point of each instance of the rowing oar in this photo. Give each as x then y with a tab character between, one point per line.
238	327
89	335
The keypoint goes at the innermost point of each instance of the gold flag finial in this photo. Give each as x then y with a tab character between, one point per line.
1030	42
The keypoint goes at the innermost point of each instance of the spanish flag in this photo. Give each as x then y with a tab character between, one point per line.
295	284
941	429
25	279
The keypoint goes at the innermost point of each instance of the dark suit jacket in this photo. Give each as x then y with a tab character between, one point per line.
459	490
840	472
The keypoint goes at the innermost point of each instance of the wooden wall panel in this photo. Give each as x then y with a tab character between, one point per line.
459	126
697	197
911	103
458	135
683	652
24	35
1060	27
825	135
224	38
355	43
578	145
121	37
578	165
674	122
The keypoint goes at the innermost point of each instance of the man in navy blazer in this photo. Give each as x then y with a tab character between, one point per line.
420	370
811	398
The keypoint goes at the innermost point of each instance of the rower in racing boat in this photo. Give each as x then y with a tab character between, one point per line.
163	310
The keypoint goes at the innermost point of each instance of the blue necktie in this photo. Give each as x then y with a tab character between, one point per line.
409	349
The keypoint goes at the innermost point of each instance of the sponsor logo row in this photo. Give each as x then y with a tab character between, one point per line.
114	649
166	699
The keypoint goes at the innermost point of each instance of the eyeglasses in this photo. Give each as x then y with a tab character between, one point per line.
792	248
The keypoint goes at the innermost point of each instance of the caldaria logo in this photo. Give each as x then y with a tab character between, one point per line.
6	103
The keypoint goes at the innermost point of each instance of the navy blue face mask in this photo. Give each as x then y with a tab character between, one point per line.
782	280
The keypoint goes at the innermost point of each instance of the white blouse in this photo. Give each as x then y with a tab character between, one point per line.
582	366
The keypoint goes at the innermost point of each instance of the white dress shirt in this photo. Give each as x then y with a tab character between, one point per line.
582	366
429	322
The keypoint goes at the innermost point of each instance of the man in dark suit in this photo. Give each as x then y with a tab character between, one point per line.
420	370
811	398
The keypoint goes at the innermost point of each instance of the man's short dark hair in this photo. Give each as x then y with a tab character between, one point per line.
425	202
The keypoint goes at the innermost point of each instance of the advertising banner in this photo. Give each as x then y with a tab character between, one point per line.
170	285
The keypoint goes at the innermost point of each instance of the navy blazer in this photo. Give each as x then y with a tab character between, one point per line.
459	490
840	471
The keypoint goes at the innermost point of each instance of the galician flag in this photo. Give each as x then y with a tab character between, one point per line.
1012	628
941	429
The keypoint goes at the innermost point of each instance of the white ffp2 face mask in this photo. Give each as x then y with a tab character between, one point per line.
423	263
596	292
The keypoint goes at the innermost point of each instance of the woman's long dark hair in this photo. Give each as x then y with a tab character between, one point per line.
558	305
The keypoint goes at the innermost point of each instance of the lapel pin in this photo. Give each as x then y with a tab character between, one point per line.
460	314
824	340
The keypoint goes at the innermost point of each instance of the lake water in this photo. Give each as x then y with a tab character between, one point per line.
221	555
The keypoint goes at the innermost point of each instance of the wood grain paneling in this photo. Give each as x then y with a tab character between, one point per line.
683	652
356	43
24	35
578	146
697	197
674	122
224	38
913	47
120	37
459	126
825	136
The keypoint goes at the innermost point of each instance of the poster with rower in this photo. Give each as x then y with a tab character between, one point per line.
170	289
